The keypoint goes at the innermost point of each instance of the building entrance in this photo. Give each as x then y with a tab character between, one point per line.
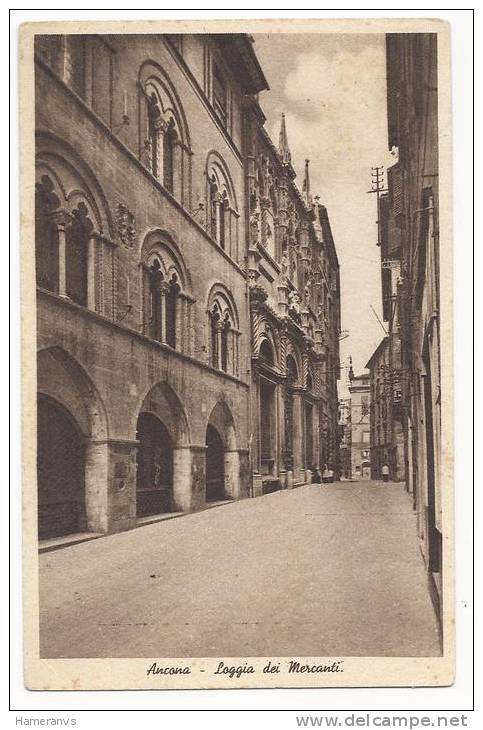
60	471
215	465
154	479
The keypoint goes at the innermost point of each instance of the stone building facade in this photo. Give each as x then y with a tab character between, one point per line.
345	438
294	293
412	92
387	442
147	335
360	390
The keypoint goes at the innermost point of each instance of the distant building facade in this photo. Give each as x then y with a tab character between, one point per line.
294	296
412	92
182	358
360	390
387	438
345	438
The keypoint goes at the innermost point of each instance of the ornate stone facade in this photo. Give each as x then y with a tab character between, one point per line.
170	324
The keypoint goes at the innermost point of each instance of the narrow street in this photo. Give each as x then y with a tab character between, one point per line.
319	570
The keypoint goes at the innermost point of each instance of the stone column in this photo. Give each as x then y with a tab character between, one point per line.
216	212
178	170
219	328
110	484
298	436
280	417
255	442
163	290
180	322
96	486
61	219
91	273
232	474
160	128
182	479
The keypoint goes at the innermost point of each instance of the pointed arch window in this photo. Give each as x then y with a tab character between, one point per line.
171	306
46	235
214	326
154	121
155	319
77	242
167	315
223	334
169	141
222	212
225	330
222	219
164	135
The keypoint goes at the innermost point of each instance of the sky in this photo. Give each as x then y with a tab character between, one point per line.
332	89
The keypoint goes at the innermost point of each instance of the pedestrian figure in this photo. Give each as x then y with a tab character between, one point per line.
385	473
325	474
331	474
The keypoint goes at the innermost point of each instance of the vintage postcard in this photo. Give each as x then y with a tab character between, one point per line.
237	341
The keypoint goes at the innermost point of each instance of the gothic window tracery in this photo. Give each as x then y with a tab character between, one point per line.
78	234
223	333
46	235
164	137
68	226
222	223
166	302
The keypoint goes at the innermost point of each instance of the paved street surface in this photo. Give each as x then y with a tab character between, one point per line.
319	570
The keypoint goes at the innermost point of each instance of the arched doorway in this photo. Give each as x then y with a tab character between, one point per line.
215	465
154	475
60	471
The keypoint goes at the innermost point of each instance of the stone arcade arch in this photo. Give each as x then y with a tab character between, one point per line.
72	456
73	227
222	458
163	469
154	467
60	469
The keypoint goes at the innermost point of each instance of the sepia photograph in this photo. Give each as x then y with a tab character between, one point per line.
236	358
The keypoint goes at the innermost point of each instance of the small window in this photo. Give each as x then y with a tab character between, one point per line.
220	95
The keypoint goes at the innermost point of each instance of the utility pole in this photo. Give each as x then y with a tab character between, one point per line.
377	187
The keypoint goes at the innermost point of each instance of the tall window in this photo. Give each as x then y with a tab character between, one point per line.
214	320
164	139
46	236
169	141
220	95
75	63
155	280
154	118
77	240
222	218
171	304
224	342
223	334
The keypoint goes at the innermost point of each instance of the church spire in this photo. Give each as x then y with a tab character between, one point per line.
306	184
283	143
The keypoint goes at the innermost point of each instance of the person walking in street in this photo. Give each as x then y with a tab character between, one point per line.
331	474
325	474
385	473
